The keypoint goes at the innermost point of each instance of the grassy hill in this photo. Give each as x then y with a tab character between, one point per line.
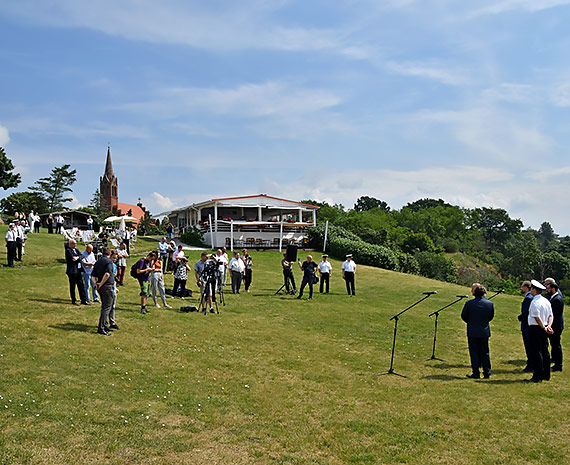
270	380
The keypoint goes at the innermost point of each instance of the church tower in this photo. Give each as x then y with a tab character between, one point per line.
109	186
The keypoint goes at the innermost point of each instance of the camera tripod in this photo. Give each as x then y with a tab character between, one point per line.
210	291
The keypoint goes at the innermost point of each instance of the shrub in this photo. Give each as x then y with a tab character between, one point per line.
193	236
436	266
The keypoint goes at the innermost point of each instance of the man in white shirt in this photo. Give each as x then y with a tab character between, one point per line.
89	223
31	221
19	230
87	262
11	244
325	271
237	268
348	272
127	239
222	265
540	319
59	223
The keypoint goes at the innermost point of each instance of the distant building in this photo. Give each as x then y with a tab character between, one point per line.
109	190
259	221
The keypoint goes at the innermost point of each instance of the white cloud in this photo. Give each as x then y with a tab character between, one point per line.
163	202
249	24
73	203
511	92
433	71
530	6
247	100
4	136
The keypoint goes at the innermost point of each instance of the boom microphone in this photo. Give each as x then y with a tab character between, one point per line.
429	293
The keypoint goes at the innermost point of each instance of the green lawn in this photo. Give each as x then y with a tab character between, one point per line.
269	380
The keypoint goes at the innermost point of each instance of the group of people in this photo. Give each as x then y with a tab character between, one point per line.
542	322
15	238
312	271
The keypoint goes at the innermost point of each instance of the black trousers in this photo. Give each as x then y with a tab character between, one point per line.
527	346
236	281
540	354
479	354
288	276
247	278
179	283
325	277
19	249
11	252
306	280
349	278
127	241
556	348
37	227
76	280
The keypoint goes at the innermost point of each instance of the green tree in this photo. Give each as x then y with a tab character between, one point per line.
365	203
522	256
547	238
495	224
7	178
23	202
97	203
54	187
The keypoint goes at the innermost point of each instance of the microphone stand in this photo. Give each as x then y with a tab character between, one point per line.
496	293
396	318
436	313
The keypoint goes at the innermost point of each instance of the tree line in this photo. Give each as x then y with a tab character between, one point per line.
447	242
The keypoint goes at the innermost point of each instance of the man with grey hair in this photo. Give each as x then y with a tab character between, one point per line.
308	267
73	271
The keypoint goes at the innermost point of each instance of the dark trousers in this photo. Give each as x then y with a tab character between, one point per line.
179	283
126	241
556	349
540	354
107	298
527	347
11	252
479	354
120	274
247	278
306	280
349	278
164	261
288	276
19	249
236	281
325	277
76	280
37	227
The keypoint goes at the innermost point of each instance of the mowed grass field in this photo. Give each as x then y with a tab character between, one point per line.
270	380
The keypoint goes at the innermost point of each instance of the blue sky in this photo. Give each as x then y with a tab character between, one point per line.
395	99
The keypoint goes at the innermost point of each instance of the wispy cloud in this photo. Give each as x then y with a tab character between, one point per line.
504	6
4	136
250	24
433	71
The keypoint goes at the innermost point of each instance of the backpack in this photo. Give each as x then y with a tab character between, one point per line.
134	268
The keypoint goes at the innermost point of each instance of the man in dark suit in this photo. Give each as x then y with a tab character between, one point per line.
477	313
557	304
73	260
525	330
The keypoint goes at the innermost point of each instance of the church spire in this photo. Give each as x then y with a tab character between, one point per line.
109	166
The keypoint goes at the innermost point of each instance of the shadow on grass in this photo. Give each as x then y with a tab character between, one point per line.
73	327
446	366
52	301
518	363
504	381
443	377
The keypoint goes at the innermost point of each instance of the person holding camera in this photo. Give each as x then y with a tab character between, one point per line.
288	275
206	273
180	276
308	267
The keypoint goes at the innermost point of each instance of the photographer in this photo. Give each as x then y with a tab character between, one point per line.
308	268
206	273
288	275
237	268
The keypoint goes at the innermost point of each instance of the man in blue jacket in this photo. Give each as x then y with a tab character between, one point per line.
477	313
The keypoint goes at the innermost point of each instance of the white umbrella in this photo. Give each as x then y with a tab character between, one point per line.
122	225
112	218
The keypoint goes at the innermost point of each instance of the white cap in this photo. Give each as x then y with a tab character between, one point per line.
537	284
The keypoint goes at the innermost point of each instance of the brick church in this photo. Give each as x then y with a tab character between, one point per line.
109	190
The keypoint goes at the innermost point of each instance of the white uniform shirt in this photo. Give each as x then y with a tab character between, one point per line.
19	230
349	266
11	235
539	307
325	267
222	262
